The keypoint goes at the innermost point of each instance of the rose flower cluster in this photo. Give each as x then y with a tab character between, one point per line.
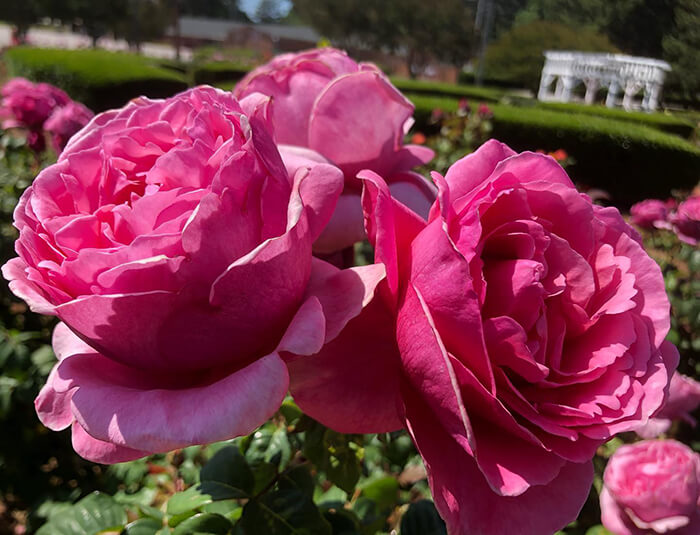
41	109
509	324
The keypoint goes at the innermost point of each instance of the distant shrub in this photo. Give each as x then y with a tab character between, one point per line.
517	56
218	71
631	161
98	78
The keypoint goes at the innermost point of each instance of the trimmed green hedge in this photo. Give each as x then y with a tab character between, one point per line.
98	78
629	160
661	121
488	94
215	72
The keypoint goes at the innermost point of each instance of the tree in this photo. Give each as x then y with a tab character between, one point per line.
145	20
505	12
270	11
635	26
418	29
215	9
21	14
517	57
682	48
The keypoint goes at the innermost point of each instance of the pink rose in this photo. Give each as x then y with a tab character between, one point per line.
352	116
27	104
171	243
650	214
686	220
652	487
530	328
66	121
683	399
486	113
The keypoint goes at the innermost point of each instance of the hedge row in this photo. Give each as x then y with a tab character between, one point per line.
661	121
216	72
98	78
488	94
629	160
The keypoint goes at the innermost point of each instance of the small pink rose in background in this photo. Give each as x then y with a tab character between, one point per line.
683	400
516	331
650	214
352	116
686	220
176	251
436	115
484	111
463	107
66	121
652	487
28	105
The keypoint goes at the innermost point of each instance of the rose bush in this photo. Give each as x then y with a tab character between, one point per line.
529	328
28	105
171	243
327	107
66	121
652	487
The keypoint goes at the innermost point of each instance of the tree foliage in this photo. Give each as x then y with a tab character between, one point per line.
420	30
22	13
682	48
517	57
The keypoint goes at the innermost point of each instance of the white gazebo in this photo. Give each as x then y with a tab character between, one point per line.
617	73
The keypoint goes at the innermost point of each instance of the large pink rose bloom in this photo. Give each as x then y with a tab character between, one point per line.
327	107
652	487
686	220
650	214
171	243
66	121
530	326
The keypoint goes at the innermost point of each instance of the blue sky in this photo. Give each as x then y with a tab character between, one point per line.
249	6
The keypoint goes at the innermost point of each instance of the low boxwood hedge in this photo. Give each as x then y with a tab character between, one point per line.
215	72
488	94
98	78
661	121
629	160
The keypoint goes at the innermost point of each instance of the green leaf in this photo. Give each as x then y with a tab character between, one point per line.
264	474
290	411
370	518
278	450
227	475
300	478
384	492
598	530
269	445
342	520
283	512
209	523
343	465
95	513
188	500
143	526
421	518
230	509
